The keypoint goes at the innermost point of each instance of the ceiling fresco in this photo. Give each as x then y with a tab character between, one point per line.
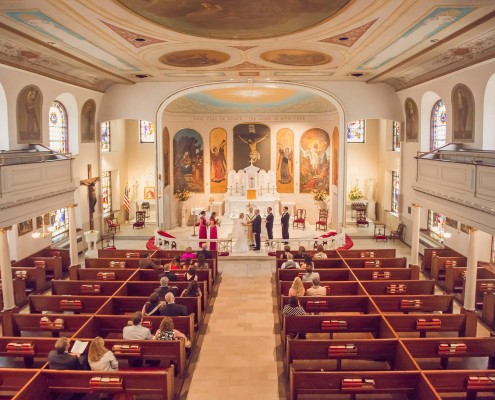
236	19
99	43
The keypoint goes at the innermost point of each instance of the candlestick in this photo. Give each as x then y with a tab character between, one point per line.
236	187
230	190
242	190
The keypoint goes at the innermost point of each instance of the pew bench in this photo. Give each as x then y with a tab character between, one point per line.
449	384
415	303
12	380
61	304
439	263
36	281
399	287
86	288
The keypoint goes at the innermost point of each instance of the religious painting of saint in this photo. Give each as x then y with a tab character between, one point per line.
463	114
335	157
166	157
285	161
315	161
412	120
88	122
218	160
24	227
252	144
188	161
29	121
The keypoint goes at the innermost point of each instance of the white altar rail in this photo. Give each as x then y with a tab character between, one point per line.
223	245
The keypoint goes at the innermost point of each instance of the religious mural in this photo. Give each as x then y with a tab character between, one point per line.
166	157
296	57
88	120
335	157
194	58
218	160
314	161
463	114
188	161
29	118
285	161
412	120
252	143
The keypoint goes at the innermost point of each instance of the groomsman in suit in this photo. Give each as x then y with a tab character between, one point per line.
257	229
285	223
269	223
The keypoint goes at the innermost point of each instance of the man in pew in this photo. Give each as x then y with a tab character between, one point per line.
136	331
61	359
310	275
171	309
290	263
204	250
168	273
163	289
316	289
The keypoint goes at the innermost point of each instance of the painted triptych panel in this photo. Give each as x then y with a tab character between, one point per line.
314	161
218	160
188	161
252	142
285	161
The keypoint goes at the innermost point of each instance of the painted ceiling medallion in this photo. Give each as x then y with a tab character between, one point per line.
194	58
236	19
296	58
348	38
136	39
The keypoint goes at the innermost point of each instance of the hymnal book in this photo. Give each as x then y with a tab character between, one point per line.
480	382
116	264
39	263
487	287
146	324
21	274
377	275
71	304
434	323
333	325
90	289
79	347
451	349
181	277
410	304
316	305
342	350
127	349
131	255
105	382
358	384
20	348
105	276
396	288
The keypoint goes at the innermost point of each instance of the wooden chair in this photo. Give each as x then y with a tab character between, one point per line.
299	219
140	220
322	222
397	234
112	225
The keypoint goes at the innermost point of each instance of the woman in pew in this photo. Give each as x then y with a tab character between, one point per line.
293	308
301	253
286	252
166	331
192	290
308	262
100	358
320	254
175	263
191	274
200	263
152	306
188	254
297	288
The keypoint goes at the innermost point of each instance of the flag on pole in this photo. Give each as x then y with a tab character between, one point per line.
126	201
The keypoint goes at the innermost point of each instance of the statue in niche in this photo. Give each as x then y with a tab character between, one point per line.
285	156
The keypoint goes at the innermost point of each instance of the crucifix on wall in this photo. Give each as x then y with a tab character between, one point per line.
90	182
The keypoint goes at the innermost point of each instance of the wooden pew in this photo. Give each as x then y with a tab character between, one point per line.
399	287
76	273
386	273
442	252
12	380
20	294
482	286
377	262
452	383
326	263
461	324
424	303
334	288
368	253
107	288
64	255
488	312
439	263
114	263
329	253
454	279
338	274
337	303
55	303
35	278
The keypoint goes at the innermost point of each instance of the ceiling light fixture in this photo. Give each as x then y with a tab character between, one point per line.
45	231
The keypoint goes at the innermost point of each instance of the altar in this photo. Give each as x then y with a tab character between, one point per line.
251	186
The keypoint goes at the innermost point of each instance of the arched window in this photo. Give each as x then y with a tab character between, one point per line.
57	126
438	125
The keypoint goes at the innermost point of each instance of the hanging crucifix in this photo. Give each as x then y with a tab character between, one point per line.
90	182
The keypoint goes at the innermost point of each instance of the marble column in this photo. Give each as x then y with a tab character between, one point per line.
471	271
73	235
6	271
416	215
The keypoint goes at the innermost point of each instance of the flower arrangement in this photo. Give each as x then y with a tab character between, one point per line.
183	195
355	194
319	195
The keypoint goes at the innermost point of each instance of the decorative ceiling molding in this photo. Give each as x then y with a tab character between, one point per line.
246	65
136	39
352	36
243	48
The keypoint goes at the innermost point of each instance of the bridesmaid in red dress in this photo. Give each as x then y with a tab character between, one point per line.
213	231
203	233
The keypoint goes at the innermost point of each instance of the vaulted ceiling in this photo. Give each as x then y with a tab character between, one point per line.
98	43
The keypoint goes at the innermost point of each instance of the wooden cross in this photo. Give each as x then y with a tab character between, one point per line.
90	182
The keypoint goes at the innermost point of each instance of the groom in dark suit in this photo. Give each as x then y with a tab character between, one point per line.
269	223
285	223
257	229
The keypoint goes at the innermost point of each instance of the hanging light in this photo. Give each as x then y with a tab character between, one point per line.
45	231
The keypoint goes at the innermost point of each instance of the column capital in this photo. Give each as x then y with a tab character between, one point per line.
6	228
72	206
471	229
415	205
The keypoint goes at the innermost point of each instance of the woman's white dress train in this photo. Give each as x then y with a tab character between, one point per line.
239	234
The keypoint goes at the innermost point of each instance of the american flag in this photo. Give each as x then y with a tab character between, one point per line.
126	202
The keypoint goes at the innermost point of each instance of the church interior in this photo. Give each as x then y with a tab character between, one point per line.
133	130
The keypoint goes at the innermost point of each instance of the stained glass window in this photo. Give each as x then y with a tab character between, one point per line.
146	132
438	126
57	128
395	191
396	136
105	136
60	221
106	192
356	131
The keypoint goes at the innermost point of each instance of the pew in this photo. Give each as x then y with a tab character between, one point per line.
377	262
368	253
439	263
451	383
442	252
415	303
334	288
12	380
60	304
454	277
96	288
332	304
326	263
399	287
488	311
76	273
368	274
482	286
35	278
20	294
338	274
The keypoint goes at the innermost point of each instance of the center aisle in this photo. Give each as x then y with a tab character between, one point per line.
237	358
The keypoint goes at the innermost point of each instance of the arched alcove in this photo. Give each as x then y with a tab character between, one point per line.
427	102
488	142
4	122
70	104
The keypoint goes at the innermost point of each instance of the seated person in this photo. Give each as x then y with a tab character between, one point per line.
60	358
152	306
320	253
148	263
307	262
166	331
164	288
192	290
316	289
191	274
286	252
175	264
186	263
290	263
293	308
136	331
188	254
171	309
297	288
205	252
309	275
300	253
169	274
201	263
100	358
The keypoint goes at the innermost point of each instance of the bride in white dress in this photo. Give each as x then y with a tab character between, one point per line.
239	233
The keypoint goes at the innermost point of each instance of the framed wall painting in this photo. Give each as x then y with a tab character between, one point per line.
314	161
188	161
412	120
149	193
252	143
218	160
29	115
24	227
285	161
88	122
462	114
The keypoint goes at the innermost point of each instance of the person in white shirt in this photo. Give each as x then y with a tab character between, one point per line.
309	275
290	263
100	358
316	289
136	331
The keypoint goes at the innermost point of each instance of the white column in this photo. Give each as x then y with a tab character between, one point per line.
73	235
6	271
416	214
471	271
